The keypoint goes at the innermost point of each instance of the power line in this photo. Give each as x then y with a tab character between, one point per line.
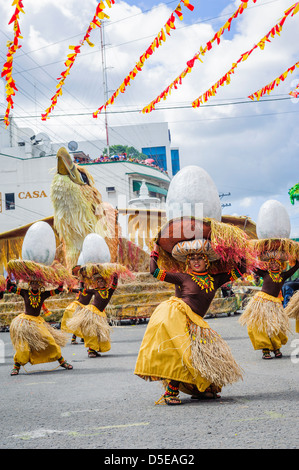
175	107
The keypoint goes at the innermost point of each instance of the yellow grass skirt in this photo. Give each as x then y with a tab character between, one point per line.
92	325
35	340
179	345
292	309
68	314
266	320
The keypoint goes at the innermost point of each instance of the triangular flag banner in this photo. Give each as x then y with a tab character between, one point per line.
225	80
295	92
13	46
268	88
99	15
157	42
190	63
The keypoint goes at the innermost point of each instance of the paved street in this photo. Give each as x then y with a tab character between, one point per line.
102	405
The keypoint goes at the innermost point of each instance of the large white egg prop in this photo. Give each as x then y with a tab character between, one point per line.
273	221
39	244
80	261
95	249
193	192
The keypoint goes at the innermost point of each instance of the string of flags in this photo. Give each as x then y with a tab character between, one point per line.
295	92
95	22
13	46
268	88
160	39
226	78
201	53
157	42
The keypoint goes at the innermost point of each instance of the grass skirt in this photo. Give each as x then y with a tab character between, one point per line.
265	314
292	309
35	340
93	326
68	314
179	345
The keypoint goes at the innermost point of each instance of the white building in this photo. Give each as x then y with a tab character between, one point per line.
28	163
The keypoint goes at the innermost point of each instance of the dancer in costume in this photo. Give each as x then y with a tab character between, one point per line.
90	320
179	347
83	298
100	277
34	340
266	320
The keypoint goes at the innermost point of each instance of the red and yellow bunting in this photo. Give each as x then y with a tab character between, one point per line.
190	64
268	88
99	15
225	80
157	42
13	46
295	92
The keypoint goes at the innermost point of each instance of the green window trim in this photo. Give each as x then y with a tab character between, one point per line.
151	187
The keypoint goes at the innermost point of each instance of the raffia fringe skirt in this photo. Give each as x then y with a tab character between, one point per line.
35	340
68	314
179	345
92	323
292	309
265	314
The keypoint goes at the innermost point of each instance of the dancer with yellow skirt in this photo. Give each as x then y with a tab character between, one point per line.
83	298
90	321
179	348
100	277
266	320
34	339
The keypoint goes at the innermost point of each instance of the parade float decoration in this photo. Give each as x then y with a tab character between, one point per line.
2	283
79	210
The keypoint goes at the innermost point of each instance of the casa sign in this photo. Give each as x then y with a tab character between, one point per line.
30	195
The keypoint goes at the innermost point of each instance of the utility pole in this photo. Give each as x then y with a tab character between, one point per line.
105	87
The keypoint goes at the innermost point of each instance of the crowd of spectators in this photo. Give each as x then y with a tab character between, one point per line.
121	157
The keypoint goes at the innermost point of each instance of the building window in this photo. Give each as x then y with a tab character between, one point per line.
158	154
110	189
175	161
10	201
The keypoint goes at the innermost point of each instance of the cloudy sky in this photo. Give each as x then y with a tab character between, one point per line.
250	149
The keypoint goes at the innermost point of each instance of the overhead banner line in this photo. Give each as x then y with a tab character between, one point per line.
190	63
156	43
225	80
99	15
13	46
